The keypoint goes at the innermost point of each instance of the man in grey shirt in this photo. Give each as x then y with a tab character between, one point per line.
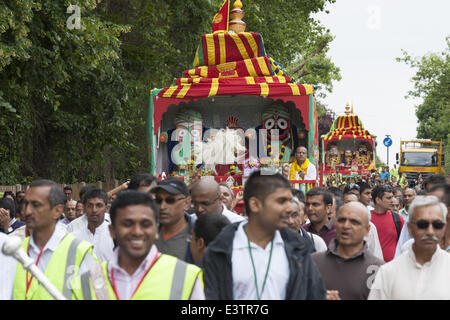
173	199
347	267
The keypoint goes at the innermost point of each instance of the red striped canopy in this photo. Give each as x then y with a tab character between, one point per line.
347	127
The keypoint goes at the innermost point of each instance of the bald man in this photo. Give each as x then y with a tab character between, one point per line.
304	170
347	266
206	198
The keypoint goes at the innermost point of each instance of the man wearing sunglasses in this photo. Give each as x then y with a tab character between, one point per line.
173	200
422	272
207	198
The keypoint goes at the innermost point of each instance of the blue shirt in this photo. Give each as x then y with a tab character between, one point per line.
384	175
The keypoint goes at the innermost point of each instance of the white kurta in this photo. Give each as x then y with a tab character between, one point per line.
405	279
101	240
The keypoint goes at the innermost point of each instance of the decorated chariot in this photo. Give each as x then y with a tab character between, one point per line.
233	112
348	150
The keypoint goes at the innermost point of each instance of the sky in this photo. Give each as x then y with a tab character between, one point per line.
369	35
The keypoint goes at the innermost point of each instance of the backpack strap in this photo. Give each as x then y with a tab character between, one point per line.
397	222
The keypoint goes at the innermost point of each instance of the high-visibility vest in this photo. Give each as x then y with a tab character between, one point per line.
168	279
394	172
402	181
62	267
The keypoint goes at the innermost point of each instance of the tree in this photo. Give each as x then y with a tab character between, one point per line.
64	94
73	102
432	84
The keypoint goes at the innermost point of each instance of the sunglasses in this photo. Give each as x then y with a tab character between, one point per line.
423	224
204	203
169	200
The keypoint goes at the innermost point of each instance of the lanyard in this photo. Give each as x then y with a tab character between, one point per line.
254	269
157	255
28	282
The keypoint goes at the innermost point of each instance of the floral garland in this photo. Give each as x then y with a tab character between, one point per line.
283	147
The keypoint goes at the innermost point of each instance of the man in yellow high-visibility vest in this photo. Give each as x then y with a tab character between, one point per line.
58	254
137	270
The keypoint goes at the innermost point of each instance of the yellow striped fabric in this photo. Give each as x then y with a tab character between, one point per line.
184	90
250	68
223	50
204	71
309	89
264	89
252	43
295	89
240	46
170	91
196	60
263	66
214	87
250	80
211	50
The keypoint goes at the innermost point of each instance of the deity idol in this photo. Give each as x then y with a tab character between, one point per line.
277	116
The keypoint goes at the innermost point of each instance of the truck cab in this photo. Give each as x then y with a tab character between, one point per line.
420	157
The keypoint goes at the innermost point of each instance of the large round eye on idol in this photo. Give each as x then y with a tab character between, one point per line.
282	123
181	133
195	133
270	123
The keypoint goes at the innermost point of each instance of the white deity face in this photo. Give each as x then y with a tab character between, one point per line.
334	151
194	129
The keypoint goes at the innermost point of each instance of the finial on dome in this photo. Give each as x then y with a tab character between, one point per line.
236	24
347	109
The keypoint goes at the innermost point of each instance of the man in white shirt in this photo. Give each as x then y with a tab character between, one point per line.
7	270
82	222
251	260
206	197
422	272
96	230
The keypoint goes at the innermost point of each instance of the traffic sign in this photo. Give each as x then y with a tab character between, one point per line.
387	142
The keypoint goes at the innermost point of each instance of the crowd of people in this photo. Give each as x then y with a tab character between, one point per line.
150	239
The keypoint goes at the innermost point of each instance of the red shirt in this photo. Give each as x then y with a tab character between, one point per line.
386	232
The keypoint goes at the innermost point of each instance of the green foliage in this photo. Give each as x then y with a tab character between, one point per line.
73	103
378	162
64	93
432	84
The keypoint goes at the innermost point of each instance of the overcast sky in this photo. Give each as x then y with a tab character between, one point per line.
369	35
